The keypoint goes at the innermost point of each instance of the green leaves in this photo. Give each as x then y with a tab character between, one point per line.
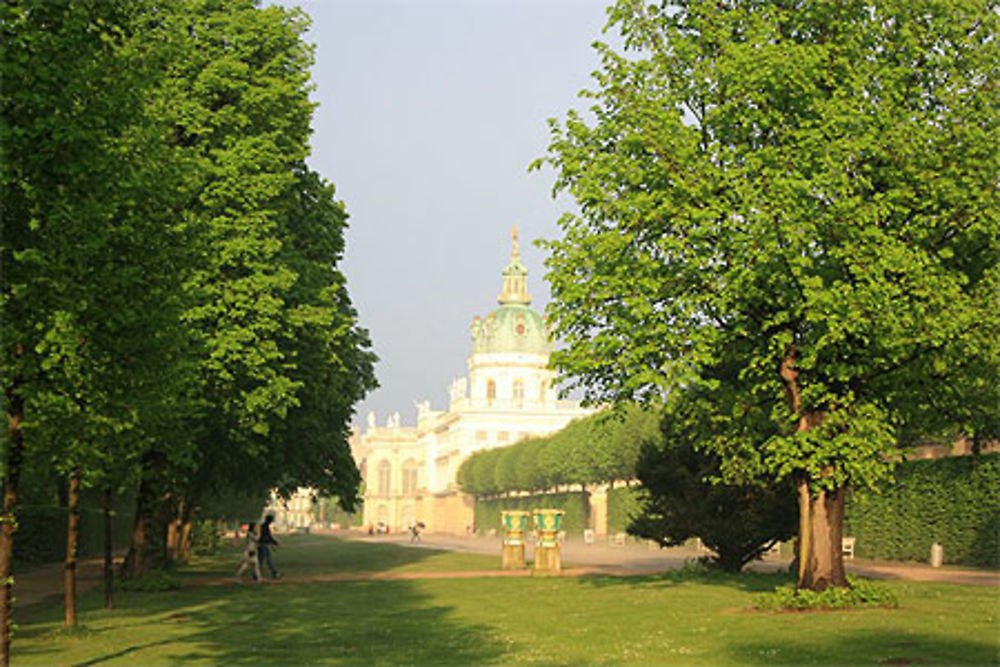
601	448
758	183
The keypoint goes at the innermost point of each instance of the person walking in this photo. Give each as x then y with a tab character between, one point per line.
250	549
266	542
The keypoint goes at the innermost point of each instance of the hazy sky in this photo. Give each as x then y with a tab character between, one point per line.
429	115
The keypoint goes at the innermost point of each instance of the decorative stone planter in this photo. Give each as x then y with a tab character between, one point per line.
515	522
548	523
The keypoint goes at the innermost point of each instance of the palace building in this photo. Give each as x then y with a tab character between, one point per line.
506	396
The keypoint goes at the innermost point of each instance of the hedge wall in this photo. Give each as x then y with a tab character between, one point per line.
575	504
41	533
623	505
952	501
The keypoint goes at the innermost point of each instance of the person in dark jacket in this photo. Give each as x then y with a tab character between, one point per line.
264	546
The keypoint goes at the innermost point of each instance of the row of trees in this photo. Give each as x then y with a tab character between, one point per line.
173	316
680	495
789	223
598	449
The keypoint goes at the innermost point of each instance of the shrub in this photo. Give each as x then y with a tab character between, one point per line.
680	500
205	537
861	593
154	581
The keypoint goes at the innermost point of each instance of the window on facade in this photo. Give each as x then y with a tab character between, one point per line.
384	478
542	391
482	436
503	436
519	391
491	391
409	478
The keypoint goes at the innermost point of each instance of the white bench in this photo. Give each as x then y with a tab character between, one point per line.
847	547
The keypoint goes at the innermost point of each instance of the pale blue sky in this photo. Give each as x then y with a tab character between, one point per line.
429	114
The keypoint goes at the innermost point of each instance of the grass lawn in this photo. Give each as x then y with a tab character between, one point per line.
639	620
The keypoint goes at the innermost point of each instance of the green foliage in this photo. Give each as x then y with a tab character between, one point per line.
685	495
41	533
597	449
624	505
682	498
860	593
576	506
952	501
206	538
819	195
154	581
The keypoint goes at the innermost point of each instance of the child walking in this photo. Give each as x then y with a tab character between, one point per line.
250	553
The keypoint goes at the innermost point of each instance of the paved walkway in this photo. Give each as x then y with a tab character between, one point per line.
633	558
44	584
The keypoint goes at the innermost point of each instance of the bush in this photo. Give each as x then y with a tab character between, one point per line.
862	593
680	500
154	581
205	537
953	501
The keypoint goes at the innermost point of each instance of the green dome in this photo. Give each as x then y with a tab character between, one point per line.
514	326
511	328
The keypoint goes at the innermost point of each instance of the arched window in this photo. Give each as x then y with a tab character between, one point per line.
410	478
519	392
384	478
491	391
543	391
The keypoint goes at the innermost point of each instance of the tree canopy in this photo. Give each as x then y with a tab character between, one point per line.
173	313
793	208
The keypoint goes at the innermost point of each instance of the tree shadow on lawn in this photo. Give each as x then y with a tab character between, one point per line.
316	554
344	622
351	622
873	647
751	582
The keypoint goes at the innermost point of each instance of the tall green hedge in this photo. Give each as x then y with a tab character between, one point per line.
596	449
575	504
41	533
952	501
623	506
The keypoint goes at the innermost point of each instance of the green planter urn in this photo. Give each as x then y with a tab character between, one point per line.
548	523
515	522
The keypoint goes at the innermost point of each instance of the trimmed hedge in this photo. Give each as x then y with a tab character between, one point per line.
599	448
576	505
623	506
41	533
953	501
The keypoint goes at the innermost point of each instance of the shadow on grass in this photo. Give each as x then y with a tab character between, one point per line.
316	554
884	647
344	622
751	582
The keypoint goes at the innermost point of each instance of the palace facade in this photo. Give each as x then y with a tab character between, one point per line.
507	395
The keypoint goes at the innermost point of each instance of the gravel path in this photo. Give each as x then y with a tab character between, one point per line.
44	584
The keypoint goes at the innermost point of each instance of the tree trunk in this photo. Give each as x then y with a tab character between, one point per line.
109	574
72	540
174	531
185	527
804	543
15	456
821	519
822	565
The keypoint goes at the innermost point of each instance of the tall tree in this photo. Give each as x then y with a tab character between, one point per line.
279	353
89	247
807	191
